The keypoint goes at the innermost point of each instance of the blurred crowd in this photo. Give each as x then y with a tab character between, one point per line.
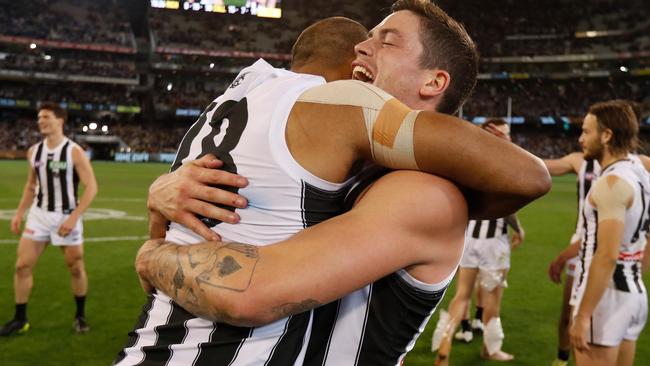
169	81
545	97
68	65
78	21
69	92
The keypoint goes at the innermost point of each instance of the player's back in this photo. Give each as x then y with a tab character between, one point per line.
245	128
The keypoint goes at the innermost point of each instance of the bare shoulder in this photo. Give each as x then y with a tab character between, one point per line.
418	197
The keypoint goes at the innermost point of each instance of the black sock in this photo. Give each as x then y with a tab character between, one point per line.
21	312
465	325
81	302
479	313
563	354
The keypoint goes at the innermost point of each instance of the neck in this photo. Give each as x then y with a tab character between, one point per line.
608	158
318	69
53	140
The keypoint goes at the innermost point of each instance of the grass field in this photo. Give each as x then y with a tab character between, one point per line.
529	312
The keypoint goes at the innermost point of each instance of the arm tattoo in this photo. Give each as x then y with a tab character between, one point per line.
194	275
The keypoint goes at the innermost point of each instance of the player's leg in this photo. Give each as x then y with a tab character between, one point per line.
626	352
74	260
493	283
597	356
465	334
477	322
564	323
27	255
457	307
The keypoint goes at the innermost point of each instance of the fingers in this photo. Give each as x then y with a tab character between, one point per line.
207	161
157	225
216	177
217	196
210	210
63	231
15	226
193	223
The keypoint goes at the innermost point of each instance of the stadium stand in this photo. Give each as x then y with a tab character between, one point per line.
149	72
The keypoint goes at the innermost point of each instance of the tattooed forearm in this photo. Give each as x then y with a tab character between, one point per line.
196	276
285	310
232	267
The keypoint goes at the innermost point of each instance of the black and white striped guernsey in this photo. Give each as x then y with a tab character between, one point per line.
245	129
627	274
378	324
57	179
487	229
588	173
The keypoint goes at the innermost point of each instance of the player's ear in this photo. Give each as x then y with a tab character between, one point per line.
606	136
437	81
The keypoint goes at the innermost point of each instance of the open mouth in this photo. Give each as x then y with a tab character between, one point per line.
361	73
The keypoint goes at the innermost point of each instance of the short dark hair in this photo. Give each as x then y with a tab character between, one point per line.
618	116
330	41
493	122
446	46
54	108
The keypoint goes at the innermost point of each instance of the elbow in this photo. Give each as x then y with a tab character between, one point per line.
241	310
538	180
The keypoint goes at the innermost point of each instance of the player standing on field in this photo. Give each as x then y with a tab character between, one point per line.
57	165
609	298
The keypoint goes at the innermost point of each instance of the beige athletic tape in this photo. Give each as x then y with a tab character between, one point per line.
389	122
612	196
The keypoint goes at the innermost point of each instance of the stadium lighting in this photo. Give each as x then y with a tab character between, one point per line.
92	126
32	45
104	128
212	65
591	34
169	86
623	68
47	57
84	128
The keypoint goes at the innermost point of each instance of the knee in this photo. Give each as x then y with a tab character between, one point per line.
23	268
76	266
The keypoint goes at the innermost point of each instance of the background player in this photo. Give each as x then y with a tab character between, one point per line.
486	260
609	297
56	166
586	172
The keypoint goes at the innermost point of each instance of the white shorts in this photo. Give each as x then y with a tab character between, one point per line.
43	225
618	316
571	266
487	254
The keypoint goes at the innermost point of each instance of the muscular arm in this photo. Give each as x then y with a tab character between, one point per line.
611	196
247	285
87	178
465	154
567	164
27	197
345	121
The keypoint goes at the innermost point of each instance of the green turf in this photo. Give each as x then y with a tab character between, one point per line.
530	306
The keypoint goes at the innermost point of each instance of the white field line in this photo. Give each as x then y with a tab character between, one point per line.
98	199
101	239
